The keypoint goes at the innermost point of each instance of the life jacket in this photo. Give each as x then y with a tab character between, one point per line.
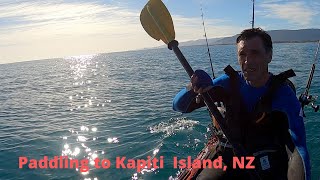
263	132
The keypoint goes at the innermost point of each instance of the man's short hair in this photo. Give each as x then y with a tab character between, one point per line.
253	32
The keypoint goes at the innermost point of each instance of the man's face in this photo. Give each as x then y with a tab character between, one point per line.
253	59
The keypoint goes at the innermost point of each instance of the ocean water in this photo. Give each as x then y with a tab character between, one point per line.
120	105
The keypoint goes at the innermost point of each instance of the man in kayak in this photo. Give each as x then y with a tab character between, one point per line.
262	114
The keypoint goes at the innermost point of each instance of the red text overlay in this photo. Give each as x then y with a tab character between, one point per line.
63	162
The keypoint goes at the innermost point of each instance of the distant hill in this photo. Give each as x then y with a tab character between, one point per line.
199	42
278	36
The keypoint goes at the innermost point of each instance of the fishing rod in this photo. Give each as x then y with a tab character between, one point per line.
205	35
305	98
252	22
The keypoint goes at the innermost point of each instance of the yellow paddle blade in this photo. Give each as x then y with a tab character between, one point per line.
157	22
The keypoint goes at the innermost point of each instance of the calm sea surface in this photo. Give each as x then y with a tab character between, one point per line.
120	105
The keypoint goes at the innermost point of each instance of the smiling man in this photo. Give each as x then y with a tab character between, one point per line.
254	55
262	113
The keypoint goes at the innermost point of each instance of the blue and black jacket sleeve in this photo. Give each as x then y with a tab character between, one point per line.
185	100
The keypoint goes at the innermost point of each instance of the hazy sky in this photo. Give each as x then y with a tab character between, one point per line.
41	29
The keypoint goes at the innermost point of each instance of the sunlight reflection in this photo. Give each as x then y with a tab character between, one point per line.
83	145
66	146
83	97
113	140
92	163
85	173
76	151
82	69
79	145
82	139
155	151
84	128
94	156
90	178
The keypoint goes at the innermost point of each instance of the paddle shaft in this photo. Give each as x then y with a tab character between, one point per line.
238	148
173	45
